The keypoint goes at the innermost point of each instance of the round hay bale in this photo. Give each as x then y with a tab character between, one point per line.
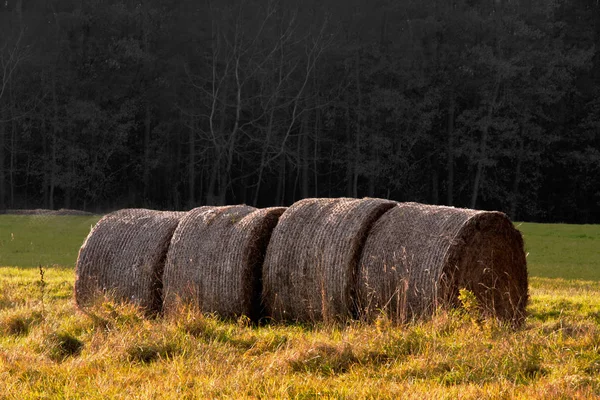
123	258
36	211
215	260
417	257
44	211
311	263
69	211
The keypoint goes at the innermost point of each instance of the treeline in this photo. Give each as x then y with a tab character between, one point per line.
490	104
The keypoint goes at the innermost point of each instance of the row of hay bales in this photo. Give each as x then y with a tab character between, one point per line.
318	260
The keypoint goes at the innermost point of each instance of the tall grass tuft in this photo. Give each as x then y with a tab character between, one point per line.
18	322
60	345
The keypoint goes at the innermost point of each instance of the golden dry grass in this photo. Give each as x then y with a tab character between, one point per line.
50	350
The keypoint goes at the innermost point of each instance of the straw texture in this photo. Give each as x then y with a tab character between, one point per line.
417	257
123	257
311	263
215	260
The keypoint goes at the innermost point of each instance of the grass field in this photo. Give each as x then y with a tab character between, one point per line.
32	240
50	350
562	251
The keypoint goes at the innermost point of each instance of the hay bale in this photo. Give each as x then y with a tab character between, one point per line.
215	260
36	211
44	211
69	211
311	262
123	257
417	257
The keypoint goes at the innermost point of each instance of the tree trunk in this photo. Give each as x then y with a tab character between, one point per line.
373	175
435	195
350	160
450	151
358	128
372	184
243	187
263	157
304	162
47	166
132	192
13	144
298	169
269	130
331	172
483	146
515	189
280	194
226	177
221	198
220	142
2	162
317	131
53	169
146	173
480	166
213	178
13	155
68	191
68	155
191	164
12	162
176	189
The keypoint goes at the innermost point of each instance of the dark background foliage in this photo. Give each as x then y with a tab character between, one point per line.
489	104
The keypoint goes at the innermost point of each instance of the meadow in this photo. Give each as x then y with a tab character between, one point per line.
49	349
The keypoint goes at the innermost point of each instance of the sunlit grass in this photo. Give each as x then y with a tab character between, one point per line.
562	250
52	350
31	240
49	349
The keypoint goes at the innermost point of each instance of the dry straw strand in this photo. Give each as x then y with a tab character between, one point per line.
123	257
215	260
311	263
417	257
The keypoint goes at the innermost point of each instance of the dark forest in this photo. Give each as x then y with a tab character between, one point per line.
491	104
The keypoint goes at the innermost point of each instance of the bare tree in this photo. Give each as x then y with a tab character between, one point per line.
12	54
253	96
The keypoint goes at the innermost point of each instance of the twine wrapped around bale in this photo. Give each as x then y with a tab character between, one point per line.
215	260
417	257
123	258
310	267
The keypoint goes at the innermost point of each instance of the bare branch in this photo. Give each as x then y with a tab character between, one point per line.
15	55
